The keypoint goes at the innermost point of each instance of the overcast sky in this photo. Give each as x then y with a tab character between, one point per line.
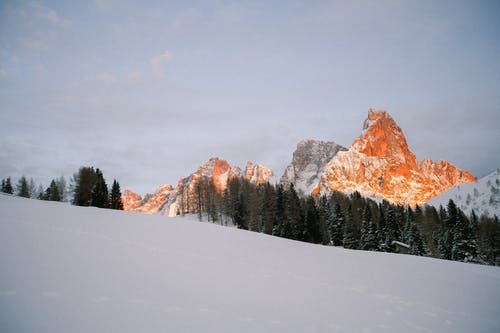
148	90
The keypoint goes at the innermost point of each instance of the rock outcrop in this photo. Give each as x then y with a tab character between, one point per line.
307	164
380	164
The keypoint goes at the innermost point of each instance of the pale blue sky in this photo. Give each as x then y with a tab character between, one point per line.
148	90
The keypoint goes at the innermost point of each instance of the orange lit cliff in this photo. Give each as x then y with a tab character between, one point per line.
380	164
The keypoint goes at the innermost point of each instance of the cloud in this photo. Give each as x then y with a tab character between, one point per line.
158	61
48	14
3	73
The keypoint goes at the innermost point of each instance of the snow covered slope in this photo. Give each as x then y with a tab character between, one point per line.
72	269
483	196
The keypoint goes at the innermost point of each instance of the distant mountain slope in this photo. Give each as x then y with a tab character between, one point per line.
483	196
82	269
380	164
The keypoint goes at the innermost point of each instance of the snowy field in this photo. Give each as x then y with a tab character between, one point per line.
72	269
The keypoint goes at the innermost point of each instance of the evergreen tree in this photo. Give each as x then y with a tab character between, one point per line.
279	225
312	228
414	239
326	220
52	192
268	208
461	250
392	230
83	185
472	242
337	230
99	194
350	239
8	186
368	231
115	197
446	239
22	188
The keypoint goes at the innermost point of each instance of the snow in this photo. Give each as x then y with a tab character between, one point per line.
74	269
483	196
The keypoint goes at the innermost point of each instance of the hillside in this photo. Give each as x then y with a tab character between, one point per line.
73	269
483	196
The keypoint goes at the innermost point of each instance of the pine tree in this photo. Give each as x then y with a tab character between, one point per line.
413	237
8	186
279	225
337	231
472	242
22	188
99	194
460	250
326	219
115	197
368	231
293	215
313	233
446	239
52	193
269	209
83	185
392	230
350	239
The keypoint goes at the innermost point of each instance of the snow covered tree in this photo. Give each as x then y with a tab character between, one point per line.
115	197
7	186
447	237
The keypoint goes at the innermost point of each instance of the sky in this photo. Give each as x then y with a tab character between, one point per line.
149	90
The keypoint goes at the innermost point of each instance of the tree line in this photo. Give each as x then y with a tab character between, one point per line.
87	187
350	221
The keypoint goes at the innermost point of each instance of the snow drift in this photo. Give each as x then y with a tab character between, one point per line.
73	269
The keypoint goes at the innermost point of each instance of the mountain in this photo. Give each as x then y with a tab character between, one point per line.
84	269
170	201
380	164
307	164
483	196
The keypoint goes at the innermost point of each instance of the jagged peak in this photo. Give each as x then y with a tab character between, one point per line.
306	142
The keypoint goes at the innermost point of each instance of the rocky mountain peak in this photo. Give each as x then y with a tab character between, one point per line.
380	164
257	173
308	161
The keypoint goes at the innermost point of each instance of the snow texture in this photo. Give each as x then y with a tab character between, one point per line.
75	269
483	196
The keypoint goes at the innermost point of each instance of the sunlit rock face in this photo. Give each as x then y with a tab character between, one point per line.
379	164
307	164
257	173
150	204
131	200
183	198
